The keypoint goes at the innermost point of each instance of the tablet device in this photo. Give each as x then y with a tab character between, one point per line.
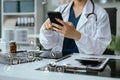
53	15
90	61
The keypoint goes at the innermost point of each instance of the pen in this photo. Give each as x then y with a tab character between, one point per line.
21	51
63	58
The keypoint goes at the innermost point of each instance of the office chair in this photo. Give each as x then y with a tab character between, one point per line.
112	12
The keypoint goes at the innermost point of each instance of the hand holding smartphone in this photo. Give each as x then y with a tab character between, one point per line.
53	15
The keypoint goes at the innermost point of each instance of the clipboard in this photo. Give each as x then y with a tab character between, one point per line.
76	65
97	64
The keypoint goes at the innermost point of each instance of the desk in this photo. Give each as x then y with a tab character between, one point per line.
27	71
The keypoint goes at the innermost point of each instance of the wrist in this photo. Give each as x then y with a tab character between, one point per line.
77	35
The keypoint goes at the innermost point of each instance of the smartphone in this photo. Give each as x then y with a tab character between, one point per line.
53	15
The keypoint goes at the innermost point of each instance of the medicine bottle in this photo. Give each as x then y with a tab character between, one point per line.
13	47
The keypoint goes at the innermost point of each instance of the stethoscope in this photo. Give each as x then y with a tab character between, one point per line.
92	13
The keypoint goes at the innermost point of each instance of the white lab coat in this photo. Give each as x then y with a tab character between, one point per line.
95	35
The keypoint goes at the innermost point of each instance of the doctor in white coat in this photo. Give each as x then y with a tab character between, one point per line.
86	24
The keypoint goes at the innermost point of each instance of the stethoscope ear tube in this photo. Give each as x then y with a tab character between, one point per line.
92	14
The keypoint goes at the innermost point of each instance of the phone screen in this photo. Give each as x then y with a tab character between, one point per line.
53	15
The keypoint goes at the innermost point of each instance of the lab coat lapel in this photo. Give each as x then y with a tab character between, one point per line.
66	12
83	19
